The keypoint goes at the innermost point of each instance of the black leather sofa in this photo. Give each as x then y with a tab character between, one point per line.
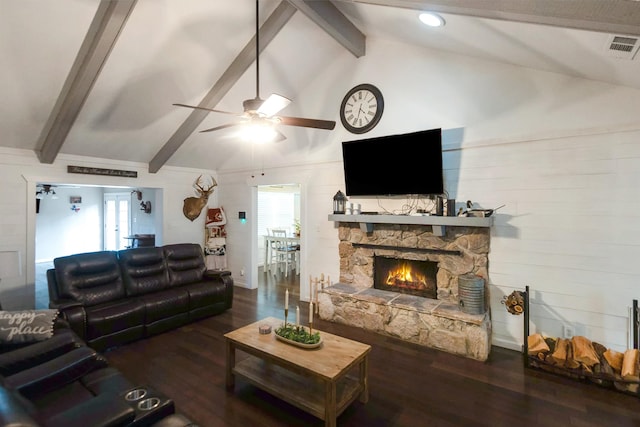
62	382
110	298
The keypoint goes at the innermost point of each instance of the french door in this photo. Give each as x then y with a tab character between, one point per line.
117	214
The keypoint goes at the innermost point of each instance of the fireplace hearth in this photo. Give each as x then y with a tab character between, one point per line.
413	277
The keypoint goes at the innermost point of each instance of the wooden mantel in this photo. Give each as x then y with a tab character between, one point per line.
438	223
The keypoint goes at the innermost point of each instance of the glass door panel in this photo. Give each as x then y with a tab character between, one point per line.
117	214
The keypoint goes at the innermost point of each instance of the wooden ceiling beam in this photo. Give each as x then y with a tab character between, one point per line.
609	16
107	24
271	27
328	17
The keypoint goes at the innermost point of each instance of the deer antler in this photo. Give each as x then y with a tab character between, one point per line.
208	189
197	184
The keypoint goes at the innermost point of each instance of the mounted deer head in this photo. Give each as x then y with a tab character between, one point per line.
193	205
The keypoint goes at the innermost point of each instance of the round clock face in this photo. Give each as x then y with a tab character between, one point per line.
361	108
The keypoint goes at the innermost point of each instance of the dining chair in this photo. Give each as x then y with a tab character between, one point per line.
283	252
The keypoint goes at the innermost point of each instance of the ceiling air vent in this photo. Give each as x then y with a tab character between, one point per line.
623	47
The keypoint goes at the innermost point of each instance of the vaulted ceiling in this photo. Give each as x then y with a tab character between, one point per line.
98	78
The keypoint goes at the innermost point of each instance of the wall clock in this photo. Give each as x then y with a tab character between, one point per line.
361	108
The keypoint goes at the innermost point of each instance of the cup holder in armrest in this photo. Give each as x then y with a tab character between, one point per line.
135	394
149	404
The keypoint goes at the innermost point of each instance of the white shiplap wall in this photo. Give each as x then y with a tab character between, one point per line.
569	230
562	153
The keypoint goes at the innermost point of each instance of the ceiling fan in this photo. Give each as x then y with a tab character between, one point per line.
262	113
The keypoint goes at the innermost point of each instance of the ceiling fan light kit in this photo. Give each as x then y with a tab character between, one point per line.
259	133
260	114
273	104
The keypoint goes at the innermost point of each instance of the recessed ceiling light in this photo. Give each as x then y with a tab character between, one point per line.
432	19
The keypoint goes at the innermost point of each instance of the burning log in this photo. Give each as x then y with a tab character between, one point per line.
402	283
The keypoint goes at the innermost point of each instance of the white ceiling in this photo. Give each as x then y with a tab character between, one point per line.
175	50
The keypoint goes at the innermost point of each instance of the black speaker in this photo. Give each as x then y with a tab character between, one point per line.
439	206
451	207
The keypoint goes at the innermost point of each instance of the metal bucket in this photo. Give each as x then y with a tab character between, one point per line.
471	294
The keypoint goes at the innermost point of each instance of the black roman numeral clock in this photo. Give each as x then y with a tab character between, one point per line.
361	108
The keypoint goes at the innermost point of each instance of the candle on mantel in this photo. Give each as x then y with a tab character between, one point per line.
311	312
297	315
286	300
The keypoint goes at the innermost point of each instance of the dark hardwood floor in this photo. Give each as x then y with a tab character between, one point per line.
409	385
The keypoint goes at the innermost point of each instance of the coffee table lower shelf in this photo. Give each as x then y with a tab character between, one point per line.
303	392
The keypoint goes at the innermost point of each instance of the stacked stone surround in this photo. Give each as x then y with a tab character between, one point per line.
436	323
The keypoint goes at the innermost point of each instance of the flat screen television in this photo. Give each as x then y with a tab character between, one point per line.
405	164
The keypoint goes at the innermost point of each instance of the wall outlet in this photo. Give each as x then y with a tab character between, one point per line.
242	272
567	331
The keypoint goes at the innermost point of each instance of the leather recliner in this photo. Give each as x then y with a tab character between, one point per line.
62	382
111	298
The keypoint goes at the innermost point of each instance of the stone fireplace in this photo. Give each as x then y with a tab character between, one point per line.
402	280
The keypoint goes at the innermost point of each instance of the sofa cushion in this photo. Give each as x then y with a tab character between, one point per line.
165	304
205	293
91	278
110	318
143	270
185	262
105	381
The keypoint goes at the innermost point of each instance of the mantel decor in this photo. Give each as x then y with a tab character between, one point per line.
339	203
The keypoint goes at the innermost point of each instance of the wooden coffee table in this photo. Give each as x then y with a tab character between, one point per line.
317	381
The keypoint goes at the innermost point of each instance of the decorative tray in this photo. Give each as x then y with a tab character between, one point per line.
299	344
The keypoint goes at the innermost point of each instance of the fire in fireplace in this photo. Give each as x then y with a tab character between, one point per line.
406	276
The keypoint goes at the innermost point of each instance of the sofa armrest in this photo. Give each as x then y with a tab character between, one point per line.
102	410
57	372
217	274
72	314
30	355
13	412
224	277
64	304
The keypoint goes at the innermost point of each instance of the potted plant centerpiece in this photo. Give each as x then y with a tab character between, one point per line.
296	334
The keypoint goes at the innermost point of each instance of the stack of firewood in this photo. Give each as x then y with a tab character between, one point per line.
580	357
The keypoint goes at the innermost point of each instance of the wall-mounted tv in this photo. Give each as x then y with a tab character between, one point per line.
404	164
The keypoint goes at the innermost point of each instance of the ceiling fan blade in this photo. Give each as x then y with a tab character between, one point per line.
273	104
307	123
208	109
228	125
